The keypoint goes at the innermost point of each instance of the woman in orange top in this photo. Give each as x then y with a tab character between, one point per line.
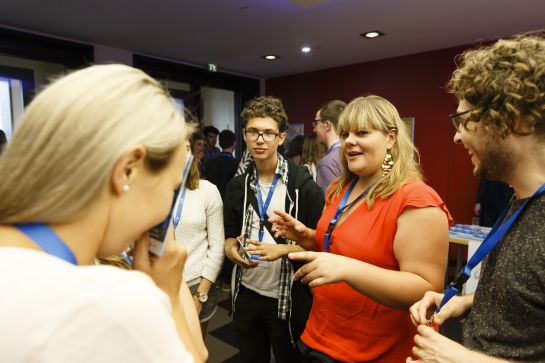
388	242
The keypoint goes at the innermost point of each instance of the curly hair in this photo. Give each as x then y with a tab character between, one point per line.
266	107
506	84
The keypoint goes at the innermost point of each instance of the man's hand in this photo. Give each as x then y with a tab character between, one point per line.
233	252
266	251
432	347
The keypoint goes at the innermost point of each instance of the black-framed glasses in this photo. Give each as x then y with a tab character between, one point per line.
457	119
315	122
267	136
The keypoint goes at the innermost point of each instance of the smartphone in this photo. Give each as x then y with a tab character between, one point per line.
158	234
245	254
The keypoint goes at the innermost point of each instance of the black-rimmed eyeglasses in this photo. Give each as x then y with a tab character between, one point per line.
267	136
457	120
315	122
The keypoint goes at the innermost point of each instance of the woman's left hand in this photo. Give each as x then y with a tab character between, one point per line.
266	251
432	347
321	268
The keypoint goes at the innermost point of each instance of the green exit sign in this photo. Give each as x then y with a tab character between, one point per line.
212	67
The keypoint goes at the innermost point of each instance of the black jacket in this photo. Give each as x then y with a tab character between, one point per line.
304	199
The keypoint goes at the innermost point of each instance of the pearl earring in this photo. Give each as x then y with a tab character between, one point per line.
126	188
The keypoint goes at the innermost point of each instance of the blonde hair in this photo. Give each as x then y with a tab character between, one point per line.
63	152
379	114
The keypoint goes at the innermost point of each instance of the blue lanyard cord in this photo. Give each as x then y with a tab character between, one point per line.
491	240
48	240
263	208
178	214
342	207
335	144
227	155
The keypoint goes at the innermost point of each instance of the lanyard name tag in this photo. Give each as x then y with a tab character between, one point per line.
342	207
263	208
48	240
491	240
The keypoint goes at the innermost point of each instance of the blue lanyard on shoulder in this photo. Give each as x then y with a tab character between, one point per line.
335	144
48	240
491	240
178	214
341	208
263	208
226	155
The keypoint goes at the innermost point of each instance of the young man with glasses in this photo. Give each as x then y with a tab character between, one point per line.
325	127
501	122
262	295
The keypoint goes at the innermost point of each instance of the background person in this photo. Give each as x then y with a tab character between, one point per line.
325	127
91	168
200	230
389	245
500	121
211	138
313	152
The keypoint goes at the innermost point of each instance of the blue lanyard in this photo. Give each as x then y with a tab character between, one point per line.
493	237
178	214
341	208
48	240
335	144
263	208
227	155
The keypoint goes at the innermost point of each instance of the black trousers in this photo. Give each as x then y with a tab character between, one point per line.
258	328
310	355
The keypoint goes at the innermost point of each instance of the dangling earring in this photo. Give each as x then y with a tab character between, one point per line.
125	187
387	164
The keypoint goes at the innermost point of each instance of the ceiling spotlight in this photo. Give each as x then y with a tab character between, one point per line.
270	57
372	34
306	49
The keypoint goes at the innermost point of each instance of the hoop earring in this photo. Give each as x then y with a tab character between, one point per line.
387	164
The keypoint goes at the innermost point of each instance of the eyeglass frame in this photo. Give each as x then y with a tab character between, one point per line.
314	123
262	134
454	116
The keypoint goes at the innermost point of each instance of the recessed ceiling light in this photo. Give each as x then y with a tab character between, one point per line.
270	57
306	49
372	34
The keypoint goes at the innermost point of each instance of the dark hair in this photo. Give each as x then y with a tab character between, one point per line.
210	130
227	139
195	137
266	107
330	111
3	141
296	146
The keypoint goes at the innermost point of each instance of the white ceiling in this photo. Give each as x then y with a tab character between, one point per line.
234	34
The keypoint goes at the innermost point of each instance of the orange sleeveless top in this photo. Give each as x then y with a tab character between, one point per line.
349	326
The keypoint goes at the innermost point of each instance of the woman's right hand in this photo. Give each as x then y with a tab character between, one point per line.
288	227
166	270
422	310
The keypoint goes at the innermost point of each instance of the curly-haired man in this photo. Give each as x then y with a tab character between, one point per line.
501	122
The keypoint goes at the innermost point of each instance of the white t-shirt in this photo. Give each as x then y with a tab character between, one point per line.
264	279
52	311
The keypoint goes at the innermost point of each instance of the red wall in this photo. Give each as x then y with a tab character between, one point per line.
415	84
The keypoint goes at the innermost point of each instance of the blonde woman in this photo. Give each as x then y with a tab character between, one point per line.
91	168
386	237
313	152
199	227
